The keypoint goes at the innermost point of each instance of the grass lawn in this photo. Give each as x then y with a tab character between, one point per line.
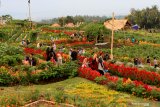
77	91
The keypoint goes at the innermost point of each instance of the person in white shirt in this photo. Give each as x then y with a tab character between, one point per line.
155	62
100	65
59	59
54	46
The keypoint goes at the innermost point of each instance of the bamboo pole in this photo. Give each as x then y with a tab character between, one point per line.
29	9
112	36
1	16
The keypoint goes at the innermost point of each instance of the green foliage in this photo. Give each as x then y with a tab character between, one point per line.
95	29
155	94
66	70
149	17
10	55
112	85
5	77
100	79
3	36
42	66
59	96
10	101
6	49
33	36
35	95
138	91
141	51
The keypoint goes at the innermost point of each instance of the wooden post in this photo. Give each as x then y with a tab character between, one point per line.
29	7
1	16
112	36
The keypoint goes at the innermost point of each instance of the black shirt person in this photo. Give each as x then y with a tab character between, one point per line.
148	60
74	55
32	60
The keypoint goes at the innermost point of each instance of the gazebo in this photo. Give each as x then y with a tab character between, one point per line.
55	25
118	24
70	25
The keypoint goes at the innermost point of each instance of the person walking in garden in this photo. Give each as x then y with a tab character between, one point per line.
32	60
48	58
106	57
27	42
53	56
135	61
85	63
148	61
54	46
100	65
26	60
133	40
59	59
155	62
94	63
74	55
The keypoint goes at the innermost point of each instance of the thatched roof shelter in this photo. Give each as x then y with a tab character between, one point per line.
70	25
55	25
118	24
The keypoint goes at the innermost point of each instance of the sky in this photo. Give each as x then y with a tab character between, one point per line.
46	9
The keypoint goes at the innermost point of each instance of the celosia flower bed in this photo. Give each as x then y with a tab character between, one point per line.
134	73
80	43
58	31
134	87
32	51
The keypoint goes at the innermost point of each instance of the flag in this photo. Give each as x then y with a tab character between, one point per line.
28	1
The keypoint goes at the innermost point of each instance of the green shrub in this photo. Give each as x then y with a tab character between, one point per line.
25	67
99	80
42	66
128	87
5	77
59	96
112	85
155	94
138	91
10	101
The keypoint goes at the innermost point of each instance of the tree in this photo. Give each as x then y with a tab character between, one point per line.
61	21
69	19
95	30
148	18
8	18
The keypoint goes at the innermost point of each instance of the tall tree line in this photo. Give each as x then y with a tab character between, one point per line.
146	18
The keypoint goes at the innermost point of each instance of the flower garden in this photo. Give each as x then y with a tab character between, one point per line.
76	85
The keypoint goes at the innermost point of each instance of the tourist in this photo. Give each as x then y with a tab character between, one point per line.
155	62
32	60
52	55
106	56
26	60
80	51
27	42
38	45
94	64
54	46
59	59
135	61
85	63
133	40
148	61
100	65
48	58
83	51
74	55
53	60
23	42
72	36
